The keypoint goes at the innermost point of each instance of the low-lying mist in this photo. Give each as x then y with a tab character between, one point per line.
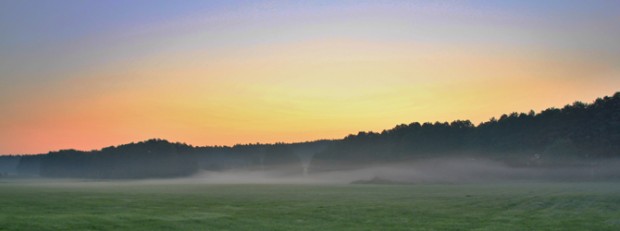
441	170
436	170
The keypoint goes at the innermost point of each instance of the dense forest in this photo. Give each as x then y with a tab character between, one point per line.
577	134
554	136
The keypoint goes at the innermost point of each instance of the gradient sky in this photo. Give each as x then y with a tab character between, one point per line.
88	74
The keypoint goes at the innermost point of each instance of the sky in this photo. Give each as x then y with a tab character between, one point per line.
86	74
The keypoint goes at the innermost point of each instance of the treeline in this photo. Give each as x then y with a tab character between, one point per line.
8	165
580	133
157	158
573	133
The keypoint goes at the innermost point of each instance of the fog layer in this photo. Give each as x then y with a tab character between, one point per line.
440	170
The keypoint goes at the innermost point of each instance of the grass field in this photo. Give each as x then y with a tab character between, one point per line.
184	206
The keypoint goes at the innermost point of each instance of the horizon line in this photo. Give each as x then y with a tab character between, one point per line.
317	140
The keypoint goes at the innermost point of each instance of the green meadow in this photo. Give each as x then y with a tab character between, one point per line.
169	205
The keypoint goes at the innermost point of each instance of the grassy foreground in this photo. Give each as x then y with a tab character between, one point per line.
183	206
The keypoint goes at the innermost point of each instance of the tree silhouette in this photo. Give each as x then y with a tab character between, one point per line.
580	133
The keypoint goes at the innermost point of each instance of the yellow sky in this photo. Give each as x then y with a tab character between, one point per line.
295	92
